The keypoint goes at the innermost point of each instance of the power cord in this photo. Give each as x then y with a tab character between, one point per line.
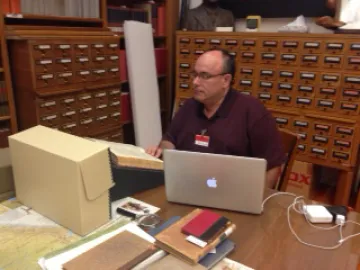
298	205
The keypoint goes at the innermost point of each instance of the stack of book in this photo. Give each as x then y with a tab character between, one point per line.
193	237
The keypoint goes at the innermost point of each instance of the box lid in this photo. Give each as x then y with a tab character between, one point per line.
76	149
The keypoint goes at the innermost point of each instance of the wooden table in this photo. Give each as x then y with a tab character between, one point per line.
265	241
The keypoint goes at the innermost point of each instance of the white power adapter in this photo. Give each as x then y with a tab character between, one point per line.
318	214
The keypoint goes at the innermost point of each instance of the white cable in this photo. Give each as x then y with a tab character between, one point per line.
301	211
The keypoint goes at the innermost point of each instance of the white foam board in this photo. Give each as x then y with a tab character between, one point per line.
143	82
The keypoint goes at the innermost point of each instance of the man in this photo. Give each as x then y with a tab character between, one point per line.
232	123
208	16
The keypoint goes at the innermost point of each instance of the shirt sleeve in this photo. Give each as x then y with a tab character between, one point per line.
266	142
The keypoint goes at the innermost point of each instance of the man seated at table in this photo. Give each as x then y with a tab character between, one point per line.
221	120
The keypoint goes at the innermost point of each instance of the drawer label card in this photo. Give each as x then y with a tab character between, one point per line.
266	96
245	82
303	136
320	139
184	76
115	92
298	123
99	58
231	42
340	155
270	43
66	74
86	110
215	41
342	143
114	57
50	117
285	86
117	114
326	103
102	106
199	52
248	55
84	72
284	98
64	46
45	62
336	46
268	55
287	74
312	45
47	76
113	45
247	93
115	103
305	101
303	88
68	126
266	84
102	118
69	113
319	151
290	44
332	59
48	104
301	147
352	79
98	46
86	121
281	120
83	46
267	72
69	100
288	57
83	59
200	41
351	93
330	78
328	91
355	46
349	106
249	42
247	71
99	71
322	127
185	51
114	69
233	53
184	85
64	60
184	65
310	58
354	60
85	97
102	94
344	131
184	40
44	47
307	76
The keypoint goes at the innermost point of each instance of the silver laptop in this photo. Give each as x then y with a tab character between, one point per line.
217	181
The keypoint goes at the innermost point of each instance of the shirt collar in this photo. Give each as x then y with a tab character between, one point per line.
225	107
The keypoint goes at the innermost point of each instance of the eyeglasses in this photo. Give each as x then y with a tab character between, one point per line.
148	220
204	75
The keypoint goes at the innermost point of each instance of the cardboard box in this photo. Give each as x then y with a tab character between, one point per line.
6	175
63	177
300	178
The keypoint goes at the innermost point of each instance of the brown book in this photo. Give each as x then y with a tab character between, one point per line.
171	262
121	252
174	241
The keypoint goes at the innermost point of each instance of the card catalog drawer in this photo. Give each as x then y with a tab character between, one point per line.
306	90
322	128
304	102
114	94
112	47
353	48
334	47
87	126
320	140
310	60
85	100
287	75
267	74
102	121
269	45
82	62
63	49
284	100
344	132
86	112
83	76
350	94
81	48
330	79
327	92
341	156
63	64
245	84
99	74
42	50
303	137
200	43
301	149
116	136
115	119
184	67
71	128
49	120
285	88
113	60
341	144
248	44
248	57
266	98
312	46
67	102
325	105
349	108
352	63
283	120
247	73
184	42
98	48
246	92
289	59
351	81
45	80
185	53
266	86
290	46
44	65
269	58
98	61
308	77
318	152
100	97
332	61
184	77
215	43
65	78
47	106
300	124
231	44
69	116
184	87
114	105
197	53
113	73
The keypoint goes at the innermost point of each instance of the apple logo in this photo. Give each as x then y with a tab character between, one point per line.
211	182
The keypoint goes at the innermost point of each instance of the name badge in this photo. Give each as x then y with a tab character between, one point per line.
202	140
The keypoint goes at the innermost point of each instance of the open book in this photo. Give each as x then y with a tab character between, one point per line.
129	155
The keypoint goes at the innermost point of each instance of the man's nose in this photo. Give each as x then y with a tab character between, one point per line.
196	80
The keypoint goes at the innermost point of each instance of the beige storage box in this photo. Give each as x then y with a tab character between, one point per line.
63	177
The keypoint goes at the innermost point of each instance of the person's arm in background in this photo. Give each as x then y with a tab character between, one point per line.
266	143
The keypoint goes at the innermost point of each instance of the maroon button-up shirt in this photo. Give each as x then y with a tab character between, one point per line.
242	126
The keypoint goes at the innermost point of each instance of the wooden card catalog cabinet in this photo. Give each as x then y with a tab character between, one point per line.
68	83
309	82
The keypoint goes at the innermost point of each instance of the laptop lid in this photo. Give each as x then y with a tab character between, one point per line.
213	180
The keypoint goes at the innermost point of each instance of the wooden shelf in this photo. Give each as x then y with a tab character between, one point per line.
4	118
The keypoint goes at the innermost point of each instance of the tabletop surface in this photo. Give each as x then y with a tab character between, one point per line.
266	242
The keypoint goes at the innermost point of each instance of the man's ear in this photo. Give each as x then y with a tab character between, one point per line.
228	78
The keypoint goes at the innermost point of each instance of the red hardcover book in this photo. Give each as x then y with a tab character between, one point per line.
201	224
15	6
123	66
160	57
6	8
161	21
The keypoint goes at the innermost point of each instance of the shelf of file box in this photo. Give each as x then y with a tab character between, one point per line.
131	180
